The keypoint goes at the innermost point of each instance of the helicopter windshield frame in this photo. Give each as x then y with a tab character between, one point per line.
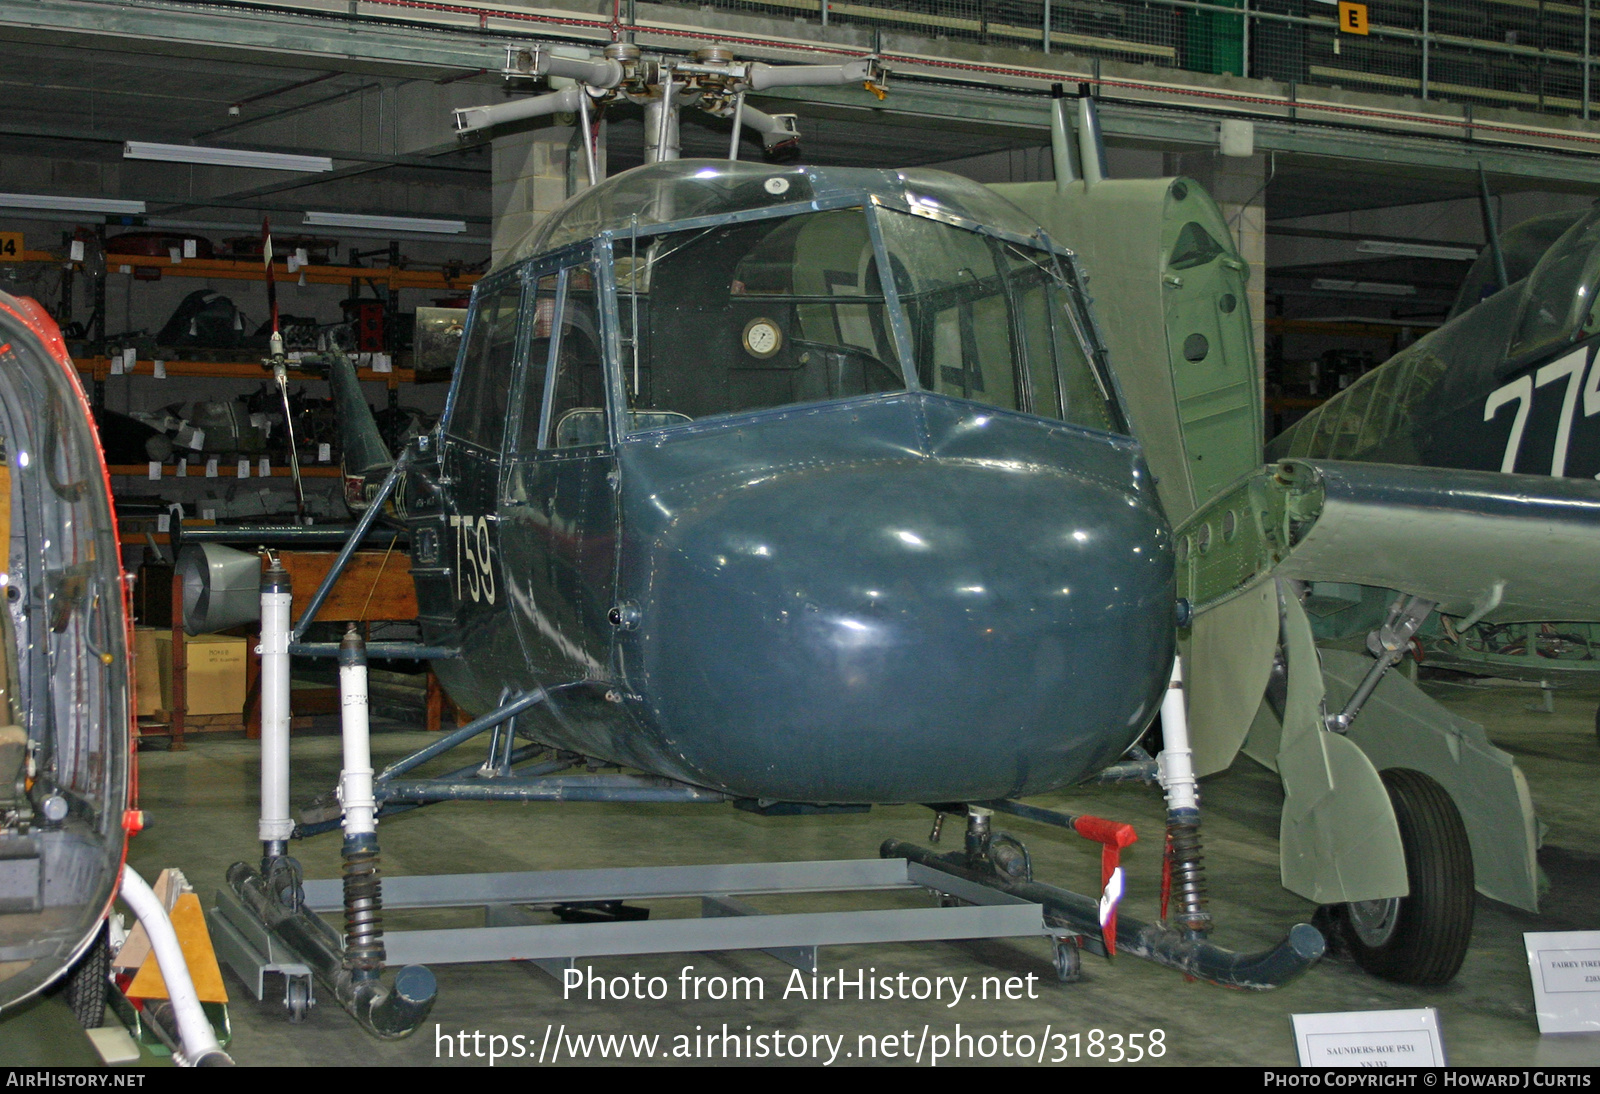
1064	271
607	247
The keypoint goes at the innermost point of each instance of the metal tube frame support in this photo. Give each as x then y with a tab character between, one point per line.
1388	644
465	733
738	125
277	597
389	1013
1046	27
1244	41
590	161
363	526
199	1040
577	788
664	123
1587	59
1426	41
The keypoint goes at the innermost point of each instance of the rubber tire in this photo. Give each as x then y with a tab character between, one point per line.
85	988
1433	925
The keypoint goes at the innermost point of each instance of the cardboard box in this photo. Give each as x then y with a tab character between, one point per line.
152	670
216	673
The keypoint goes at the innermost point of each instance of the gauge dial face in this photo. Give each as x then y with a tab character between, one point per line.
762	338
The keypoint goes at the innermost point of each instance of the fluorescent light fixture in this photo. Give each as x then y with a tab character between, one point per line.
1416	250
386	224
1376	288
223	157
70	204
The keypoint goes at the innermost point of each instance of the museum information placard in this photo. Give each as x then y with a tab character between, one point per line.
1370	1038
1565	969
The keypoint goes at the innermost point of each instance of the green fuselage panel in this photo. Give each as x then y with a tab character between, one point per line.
1161	247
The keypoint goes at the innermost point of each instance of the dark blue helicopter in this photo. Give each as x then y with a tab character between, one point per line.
808	484
806	488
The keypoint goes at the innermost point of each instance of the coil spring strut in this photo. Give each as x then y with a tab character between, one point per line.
363	911
1188	876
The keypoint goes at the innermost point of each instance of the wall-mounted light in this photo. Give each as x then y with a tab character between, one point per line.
386	224
1375	288
69	204
224	157
1416	250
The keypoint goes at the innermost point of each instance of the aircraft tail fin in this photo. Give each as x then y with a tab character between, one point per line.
365	456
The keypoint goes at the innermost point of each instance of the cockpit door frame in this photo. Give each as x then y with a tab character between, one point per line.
557	506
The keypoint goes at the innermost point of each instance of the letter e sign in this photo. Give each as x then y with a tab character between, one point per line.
1352	17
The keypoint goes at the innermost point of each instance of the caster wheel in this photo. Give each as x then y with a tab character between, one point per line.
297	999
1068	961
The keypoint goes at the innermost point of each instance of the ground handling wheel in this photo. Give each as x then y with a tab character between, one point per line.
1420	938
85	987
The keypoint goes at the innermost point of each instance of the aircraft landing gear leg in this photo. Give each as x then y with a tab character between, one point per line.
978	835
1183	869
350	968
276	824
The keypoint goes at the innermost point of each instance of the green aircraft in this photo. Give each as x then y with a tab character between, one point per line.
1507	384
1396	809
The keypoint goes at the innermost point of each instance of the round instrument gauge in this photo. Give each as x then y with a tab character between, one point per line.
762	338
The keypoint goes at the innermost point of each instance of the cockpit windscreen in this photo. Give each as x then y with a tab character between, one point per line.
783	311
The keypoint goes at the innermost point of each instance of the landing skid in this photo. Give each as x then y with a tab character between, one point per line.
972	903
1077	917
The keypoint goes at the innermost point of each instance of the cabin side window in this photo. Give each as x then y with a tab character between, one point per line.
483	380
564	365
577	378
742	317
530	401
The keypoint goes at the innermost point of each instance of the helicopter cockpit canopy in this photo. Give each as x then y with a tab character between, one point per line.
64	718
724	287
1559	296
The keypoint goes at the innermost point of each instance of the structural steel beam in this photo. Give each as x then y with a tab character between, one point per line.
434	39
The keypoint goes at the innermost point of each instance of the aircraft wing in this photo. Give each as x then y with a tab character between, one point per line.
1482	545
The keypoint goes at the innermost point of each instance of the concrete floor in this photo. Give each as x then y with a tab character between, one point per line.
202	804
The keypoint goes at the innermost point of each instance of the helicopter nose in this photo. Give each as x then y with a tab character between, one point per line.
978	628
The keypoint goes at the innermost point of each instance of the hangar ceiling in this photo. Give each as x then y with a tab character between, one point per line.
80	101
71	99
